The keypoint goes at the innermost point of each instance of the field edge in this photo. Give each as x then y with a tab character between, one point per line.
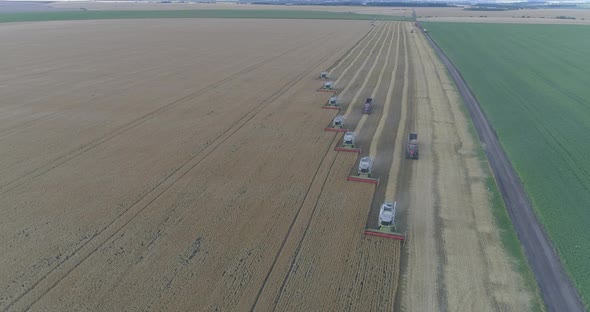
223	13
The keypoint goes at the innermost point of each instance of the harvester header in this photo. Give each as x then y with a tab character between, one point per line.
387	226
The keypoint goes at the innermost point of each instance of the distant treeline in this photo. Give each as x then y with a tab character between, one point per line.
518	6
351	3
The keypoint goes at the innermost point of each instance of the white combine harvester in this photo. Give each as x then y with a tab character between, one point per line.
387	228
387	216
333	101
324	75
348	140
365	166
348	143
328	85
338	122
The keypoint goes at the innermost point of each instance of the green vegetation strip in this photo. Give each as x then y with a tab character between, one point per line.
277	14
533	83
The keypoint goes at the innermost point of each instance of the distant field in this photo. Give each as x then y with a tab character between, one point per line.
276	14
532	81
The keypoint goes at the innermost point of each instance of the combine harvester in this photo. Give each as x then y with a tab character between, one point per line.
333	103
387	223
368	107
348	143
324	75
364	172
412	146
327	87
337	124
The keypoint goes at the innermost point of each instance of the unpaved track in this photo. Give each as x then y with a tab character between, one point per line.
556	288
453	260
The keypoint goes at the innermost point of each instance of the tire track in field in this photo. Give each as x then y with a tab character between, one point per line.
110	230
187	97
307	225
328	152
314	179
28	124
7	187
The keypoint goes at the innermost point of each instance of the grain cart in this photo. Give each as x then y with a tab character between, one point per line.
368	107
412	146
387	226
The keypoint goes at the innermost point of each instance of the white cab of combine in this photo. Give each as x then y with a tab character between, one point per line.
324	75
328	85
348	140
365	166
387	214
338	121
333	101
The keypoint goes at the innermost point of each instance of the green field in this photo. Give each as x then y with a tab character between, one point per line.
533	82
279	14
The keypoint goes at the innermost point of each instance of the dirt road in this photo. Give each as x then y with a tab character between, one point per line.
556	288
453	260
